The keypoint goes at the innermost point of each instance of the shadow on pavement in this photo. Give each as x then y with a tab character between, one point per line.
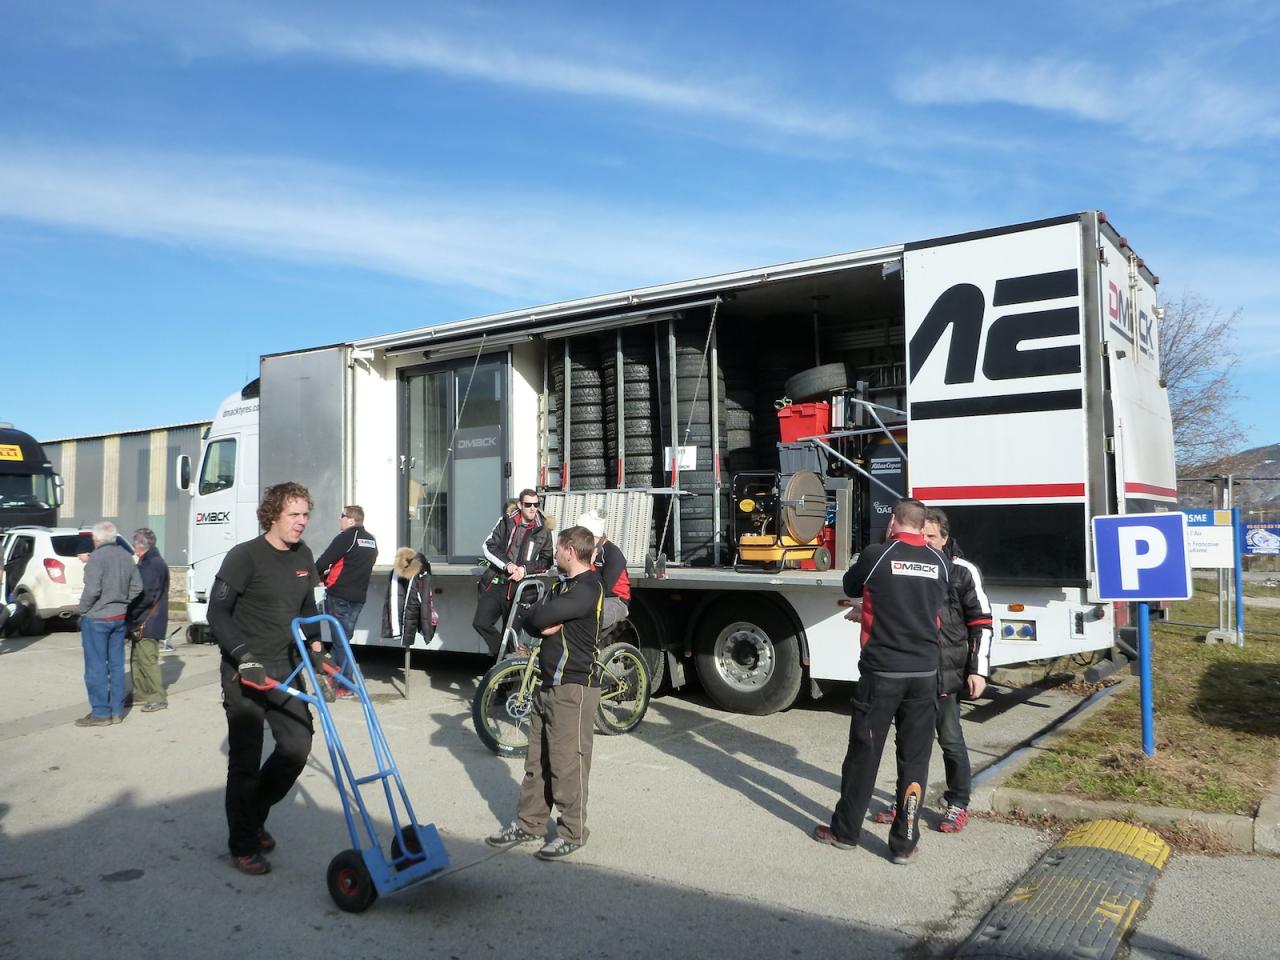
131	878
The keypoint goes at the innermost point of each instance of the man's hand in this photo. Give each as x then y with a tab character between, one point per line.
253	674
855	611
977	683
554	628
518	573
511	567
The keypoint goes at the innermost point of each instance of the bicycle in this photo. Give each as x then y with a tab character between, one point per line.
505	697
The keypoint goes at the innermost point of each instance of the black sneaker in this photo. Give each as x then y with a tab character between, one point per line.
255	864
510	835
557	849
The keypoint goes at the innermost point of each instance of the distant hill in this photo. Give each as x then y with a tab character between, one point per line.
1261	493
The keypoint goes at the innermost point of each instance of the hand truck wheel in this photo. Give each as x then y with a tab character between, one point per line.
350	885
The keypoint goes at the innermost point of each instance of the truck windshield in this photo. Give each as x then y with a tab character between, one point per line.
219	469
26	490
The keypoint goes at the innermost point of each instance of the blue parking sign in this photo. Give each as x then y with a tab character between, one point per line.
1142	556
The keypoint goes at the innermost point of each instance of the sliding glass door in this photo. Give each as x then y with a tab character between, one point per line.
453	455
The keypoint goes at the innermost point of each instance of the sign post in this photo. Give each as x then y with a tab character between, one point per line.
1142	557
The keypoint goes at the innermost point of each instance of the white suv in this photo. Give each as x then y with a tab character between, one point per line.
42	565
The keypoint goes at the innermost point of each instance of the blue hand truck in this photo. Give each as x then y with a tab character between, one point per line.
358	876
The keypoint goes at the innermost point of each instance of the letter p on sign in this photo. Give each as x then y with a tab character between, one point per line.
1141	548
1142	556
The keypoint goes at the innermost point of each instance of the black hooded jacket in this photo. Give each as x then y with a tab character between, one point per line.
408	610
964	625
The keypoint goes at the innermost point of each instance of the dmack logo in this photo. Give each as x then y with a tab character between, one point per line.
962	309
477	442
1121	309
213	516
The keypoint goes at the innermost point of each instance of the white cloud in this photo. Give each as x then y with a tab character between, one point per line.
656	85
488	239
1179	104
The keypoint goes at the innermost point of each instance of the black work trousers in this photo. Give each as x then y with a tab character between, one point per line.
879	701
492	607
252	790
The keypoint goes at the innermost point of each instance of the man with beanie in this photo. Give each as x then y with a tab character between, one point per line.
612	567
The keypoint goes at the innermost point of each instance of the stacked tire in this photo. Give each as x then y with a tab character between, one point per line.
641	437
587	468
693	381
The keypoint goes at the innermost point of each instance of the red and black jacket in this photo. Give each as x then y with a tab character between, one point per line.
903	585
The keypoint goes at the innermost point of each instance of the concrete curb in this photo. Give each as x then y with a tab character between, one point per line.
1259	834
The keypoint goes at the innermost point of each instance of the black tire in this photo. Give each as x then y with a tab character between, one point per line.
406	842
589	482
641	410
499	713
30	623
641	463
586	393
638	430
814	383
587	449
645	632
642	445
350	885
587	430
631	390
624	689
748	656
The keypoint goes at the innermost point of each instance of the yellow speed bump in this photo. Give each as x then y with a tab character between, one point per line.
1078	900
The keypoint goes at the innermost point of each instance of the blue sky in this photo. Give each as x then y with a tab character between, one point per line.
184	187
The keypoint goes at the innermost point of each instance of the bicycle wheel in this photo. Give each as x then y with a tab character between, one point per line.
502	706
624	689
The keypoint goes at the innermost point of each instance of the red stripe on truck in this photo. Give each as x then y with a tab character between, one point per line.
1008	491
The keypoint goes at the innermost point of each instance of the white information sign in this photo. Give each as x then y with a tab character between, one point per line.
1210	548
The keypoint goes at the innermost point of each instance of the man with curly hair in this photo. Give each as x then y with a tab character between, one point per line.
262	585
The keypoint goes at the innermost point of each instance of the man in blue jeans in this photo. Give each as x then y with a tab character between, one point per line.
345	568
111	582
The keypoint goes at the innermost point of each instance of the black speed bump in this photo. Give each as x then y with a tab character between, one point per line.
1077	902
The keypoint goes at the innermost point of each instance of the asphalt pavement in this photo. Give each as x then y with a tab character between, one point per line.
112	840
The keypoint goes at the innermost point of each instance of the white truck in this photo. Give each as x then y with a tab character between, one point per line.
1018	365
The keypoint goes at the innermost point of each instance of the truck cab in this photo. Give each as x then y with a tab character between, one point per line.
30	490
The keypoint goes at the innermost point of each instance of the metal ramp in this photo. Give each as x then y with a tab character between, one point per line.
628	516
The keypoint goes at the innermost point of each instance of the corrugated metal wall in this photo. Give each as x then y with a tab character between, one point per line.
129	479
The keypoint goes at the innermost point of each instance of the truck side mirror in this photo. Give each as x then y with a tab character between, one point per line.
182	467
57	490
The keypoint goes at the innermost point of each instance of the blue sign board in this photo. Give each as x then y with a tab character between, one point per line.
1142	556
1259	539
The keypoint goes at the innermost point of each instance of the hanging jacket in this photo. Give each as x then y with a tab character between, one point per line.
409	609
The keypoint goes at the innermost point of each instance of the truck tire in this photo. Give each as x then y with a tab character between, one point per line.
639	390
816	382
748	656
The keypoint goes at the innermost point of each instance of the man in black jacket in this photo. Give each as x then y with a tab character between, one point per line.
147	622
558	765
261	586
903	585
520	544
345	568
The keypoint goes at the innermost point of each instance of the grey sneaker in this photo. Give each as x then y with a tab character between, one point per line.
557	849
151	706
510	835
93	720
902	859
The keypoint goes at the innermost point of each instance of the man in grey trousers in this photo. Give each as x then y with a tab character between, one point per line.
111	582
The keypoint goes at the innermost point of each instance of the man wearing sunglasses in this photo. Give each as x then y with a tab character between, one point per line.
519	545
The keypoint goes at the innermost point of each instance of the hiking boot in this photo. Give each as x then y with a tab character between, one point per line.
93	720
152	706
557	849
902	859
254	864
266	842
824	834
885	816
954	820
510	835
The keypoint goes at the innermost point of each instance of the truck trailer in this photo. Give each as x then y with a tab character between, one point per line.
1010	376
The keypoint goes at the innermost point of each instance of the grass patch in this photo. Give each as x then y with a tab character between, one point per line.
1217	720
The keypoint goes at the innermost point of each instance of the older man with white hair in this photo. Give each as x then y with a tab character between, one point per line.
111	582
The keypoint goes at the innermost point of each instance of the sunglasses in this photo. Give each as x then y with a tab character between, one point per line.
528	503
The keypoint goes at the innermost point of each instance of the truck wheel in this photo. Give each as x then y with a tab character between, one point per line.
748	656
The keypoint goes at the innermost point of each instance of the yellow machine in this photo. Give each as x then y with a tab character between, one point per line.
778	520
